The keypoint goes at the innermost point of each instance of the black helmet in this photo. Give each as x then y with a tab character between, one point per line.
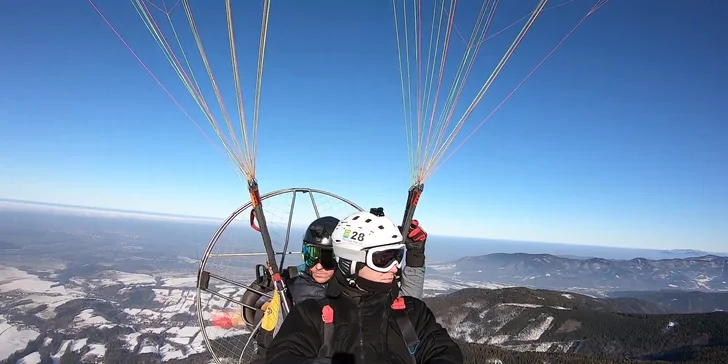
318	230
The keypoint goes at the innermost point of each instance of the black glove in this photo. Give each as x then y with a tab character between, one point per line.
415	242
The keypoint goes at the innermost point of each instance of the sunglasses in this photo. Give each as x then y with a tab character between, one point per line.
313	255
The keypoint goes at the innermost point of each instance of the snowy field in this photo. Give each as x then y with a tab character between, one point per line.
14	338
434	287
175	295
15	279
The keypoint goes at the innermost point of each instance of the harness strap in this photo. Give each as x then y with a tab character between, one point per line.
327	316
399	310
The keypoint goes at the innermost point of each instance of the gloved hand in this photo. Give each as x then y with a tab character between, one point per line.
415	242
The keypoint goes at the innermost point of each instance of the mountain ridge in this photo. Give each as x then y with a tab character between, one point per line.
508	325
523	319
703	273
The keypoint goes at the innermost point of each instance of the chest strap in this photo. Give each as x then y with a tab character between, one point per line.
327	316
399	311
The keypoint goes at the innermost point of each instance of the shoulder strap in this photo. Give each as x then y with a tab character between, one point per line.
399	310
327	316
409	335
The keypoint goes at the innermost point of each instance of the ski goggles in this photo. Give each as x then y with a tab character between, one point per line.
313	255
384	258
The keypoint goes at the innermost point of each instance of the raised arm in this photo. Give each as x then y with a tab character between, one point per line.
413	274
413	282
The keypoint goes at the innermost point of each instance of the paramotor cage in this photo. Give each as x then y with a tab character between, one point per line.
229	324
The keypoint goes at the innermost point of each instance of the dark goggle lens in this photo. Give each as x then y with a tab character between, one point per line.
385	258
327	259
313	255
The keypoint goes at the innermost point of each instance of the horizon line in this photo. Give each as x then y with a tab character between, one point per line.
107	209
220	219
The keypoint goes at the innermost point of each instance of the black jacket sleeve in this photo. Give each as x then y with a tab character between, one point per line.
436	345
298	340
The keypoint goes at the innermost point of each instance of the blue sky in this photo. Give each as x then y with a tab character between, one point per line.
617	140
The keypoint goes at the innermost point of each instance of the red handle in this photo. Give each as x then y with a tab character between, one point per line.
252	221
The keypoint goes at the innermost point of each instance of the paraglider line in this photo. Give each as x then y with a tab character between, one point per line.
461	86
156	32
113	29
486	86
596	7
259	85
458	83
443	61
236	75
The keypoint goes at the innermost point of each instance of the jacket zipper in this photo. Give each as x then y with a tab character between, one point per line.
361	335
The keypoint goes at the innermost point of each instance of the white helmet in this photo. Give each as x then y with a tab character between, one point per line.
367	238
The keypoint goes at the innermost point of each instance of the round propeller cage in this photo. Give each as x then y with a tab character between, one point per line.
233	283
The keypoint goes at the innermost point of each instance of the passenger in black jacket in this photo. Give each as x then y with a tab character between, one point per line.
364	318
318	261
315	273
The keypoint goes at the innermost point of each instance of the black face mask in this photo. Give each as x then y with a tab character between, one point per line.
376	287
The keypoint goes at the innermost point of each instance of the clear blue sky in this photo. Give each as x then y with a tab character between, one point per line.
618	140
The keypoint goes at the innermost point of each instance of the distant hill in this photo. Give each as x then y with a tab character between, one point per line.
526	297
676	301
522	319
489	354
704	273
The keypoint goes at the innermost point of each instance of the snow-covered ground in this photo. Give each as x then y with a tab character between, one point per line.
114	276
535	329
439	286
176	294
531	305
494	317
15	279
87	318
14	338
180	282
32	358
35	291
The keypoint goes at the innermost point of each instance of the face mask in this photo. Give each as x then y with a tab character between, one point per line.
375	287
